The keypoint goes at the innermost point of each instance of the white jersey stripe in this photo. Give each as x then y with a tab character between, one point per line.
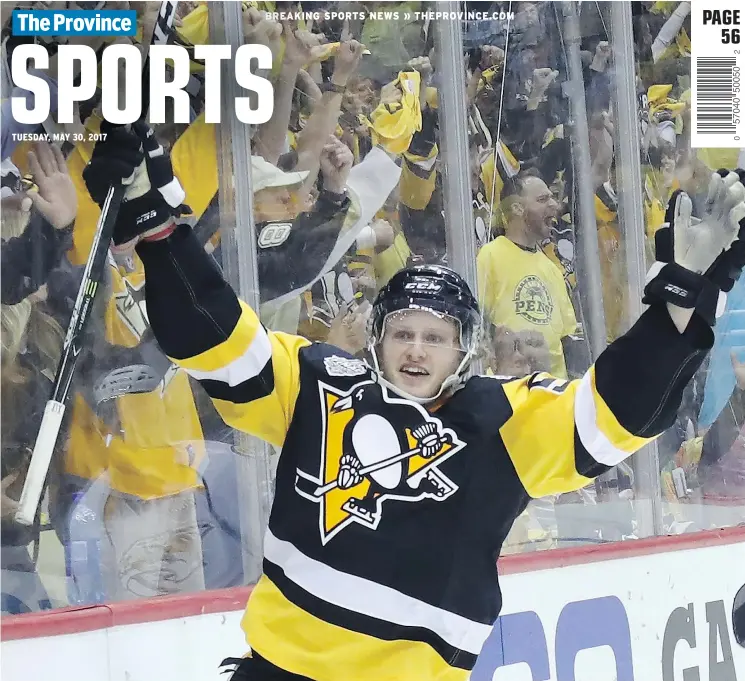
247	366
593	439
375	600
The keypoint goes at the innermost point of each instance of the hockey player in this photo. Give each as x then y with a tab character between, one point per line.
399	480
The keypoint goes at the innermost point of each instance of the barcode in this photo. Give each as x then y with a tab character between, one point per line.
715	114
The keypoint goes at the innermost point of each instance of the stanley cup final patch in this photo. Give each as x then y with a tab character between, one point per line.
344	366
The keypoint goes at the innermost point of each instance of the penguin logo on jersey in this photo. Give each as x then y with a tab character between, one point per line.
376	448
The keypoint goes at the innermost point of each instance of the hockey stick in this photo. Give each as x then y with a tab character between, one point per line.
383	463
93	275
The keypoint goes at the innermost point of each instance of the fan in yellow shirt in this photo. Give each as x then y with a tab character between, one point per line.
519	286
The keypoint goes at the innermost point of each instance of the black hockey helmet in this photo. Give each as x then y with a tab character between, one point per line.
428	287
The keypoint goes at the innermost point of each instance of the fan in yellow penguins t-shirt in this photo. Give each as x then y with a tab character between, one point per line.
520	287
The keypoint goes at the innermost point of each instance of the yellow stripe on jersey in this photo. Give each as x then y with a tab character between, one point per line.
229	351
240	360
545	412
542	422
279	630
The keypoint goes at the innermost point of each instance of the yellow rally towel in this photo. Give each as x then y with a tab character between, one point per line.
659	101
195	26
393	125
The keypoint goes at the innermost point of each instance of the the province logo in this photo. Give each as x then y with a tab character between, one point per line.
533	301
376	449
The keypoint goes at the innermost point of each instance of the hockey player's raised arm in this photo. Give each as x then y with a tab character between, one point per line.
251	374
562	433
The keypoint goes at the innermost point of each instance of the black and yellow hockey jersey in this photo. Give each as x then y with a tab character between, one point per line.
388	518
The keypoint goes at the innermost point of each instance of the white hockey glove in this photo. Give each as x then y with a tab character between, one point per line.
699	260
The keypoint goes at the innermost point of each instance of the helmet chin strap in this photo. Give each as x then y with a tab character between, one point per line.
452	381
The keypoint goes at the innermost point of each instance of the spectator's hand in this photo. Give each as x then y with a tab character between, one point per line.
349	329
40	295
506	356
601	147
366	285
308	87
739	369
56	199
347	61
542	78
147	17
258	29
390	93
183	10
491	55
602	120
336	162
602	56
301	47
384	234
423	65
601	125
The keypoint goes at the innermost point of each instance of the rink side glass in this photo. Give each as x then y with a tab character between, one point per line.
534	153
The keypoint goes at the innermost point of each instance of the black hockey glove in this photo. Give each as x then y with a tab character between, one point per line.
699	260
134	158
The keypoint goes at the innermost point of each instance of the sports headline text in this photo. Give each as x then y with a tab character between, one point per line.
79	73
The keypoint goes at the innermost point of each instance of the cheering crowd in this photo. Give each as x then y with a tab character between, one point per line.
347	181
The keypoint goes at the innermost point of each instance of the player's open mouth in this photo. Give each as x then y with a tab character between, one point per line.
413	371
